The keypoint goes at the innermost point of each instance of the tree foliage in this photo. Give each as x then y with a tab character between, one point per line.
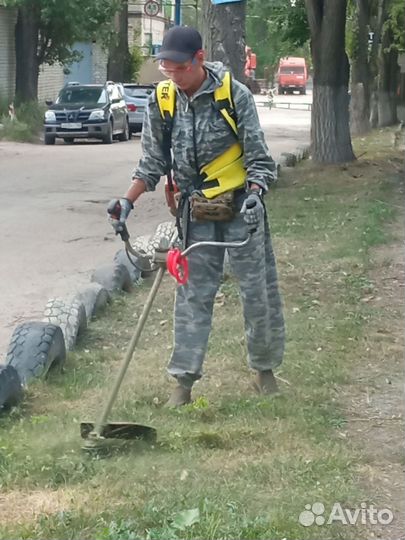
276	28
62	23
395	23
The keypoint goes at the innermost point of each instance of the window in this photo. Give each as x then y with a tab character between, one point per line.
82	94
138	92
292	70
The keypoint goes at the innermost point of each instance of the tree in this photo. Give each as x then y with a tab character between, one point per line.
224	35
392	14
330	134
361	75
26	46
46	31
119	60
375	71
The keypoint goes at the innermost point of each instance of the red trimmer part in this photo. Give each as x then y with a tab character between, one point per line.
177	266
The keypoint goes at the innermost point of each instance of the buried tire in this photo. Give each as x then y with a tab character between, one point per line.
69	315
121	257
93	297
34	348
11	390
113	277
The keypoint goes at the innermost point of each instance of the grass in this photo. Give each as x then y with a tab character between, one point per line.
231	465
27	124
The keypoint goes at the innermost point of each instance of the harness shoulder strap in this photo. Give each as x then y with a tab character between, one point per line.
224	102
166	100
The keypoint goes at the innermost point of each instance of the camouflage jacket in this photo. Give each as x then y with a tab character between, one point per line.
197	117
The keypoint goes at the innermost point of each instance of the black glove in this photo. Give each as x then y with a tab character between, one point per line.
118	211
252	208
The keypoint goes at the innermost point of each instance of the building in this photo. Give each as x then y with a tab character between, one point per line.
146	31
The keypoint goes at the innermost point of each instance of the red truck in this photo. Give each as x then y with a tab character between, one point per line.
292	75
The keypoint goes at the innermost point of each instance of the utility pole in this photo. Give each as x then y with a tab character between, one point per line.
177	12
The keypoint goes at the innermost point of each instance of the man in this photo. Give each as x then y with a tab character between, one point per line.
202	143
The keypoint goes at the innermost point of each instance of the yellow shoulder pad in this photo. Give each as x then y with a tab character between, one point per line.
166	98
224	93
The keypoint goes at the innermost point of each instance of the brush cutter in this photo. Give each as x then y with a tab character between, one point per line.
175	261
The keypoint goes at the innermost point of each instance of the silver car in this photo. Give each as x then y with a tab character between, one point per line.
136	99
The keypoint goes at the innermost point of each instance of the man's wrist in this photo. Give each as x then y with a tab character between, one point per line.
255	189
252	186
130	202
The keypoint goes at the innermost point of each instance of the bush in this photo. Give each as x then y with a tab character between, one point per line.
27	124
14	130
134	62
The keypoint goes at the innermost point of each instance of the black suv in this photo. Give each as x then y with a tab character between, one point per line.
93	111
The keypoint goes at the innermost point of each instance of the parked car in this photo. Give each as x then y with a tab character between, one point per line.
136	99
93	111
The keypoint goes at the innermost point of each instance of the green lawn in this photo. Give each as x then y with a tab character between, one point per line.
232	465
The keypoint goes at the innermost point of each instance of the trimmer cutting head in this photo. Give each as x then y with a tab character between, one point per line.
118	430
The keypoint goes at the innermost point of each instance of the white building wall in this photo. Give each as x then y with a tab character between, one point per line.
50	81
8	19
99	59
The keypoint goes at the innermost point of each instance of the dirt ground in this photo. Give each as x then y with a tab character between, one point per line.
375	401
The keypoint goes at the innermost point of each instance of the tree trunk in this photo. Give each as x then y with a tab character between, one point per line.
376	24
360	80
388	79
26	46
224	35
118	57
330	134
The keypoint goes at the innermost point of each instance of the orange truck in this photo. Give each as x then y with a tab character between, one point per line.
292	75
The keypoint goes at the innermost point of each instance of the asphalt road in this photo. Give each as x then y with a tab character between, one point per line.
53	223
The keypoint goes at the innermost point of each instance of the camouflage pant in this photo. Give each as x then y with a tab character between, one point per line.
255	268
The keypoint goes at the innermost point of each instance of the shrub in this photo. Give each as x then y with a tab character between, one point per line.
27	124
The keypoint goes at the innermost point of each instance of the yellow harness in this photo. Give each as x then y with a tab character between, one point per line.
226	172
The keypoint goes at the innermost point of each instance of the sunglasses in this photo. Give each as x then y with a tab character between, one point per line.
182	68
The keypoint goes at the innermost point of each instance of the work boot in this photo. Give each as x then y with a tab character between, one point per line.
265	383
180	396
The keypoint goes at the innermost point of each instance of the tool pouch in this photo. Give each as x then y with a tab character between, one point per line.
219	208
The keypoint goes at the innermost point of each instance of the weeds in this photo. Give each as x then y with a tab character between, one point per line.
27	124
232	465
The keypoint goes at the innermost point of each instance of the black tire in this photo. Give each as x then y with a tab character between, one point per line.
94	298
280	91
113	277
124	136
11	389
34	348
49	139
68	140
121	257
108	137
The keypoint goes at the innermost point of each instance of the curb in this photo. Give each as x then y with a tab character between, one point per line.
72	314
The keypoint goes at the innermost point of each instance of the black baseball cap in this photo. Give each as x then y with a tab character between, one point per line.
180	44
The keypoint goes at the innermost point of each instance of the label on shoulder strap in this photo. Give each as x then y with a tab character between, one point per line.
166	98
